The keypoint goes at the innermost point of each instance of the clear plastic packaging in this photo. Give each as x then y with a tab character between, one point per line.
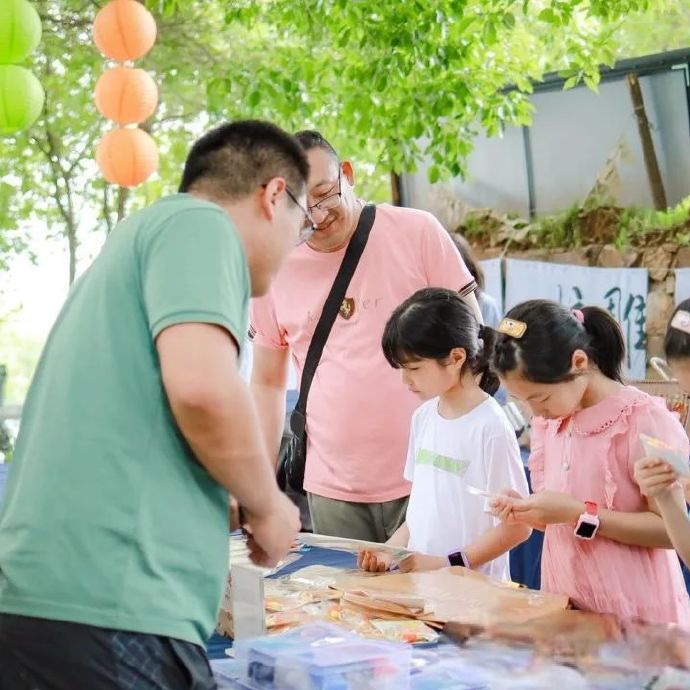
546	677
409	631
260	656
323	657
353	665
451	677
227	674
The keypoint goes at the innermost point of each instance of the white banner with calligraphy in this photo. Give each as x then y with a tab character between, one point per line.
682	284
622	291
493	280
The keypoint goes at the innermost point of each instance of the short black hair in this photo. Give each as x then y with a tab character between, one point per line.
232	160
544	354
311	139
433	322
677	342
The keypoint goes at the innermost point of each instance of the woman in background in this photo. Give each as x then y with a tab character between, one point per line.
489	307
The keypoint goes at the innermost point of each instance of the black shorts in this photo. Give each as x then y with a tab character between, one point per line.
40	654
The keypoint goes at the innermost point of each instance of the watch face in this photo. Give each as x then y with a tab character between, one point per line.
586	530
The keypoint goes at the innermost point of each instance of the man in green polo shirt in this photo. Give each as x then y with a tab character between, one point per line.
137	426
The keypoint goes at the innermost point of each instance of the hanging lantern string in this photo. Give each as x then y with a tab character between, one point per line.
124	31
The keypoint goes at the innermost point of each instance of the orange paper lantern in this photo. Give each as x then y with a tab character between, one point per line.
124	30
127	157
126	95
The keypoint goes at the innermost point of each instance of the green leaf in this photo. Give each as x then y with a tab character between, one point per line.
549	16
592	81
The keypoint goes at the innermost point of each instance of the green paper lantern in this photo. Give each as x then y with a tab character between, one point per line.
21	99
20	30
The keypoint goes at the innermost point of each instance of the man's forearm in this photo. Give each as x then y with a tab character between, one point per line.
270	406
224	433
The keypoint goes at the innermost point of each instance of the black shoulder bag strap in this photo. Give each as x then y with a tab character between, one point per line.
298	420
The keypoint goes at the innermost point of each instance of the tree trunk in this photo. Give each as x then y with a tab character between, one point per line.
73	245
71	225
396	189
650	160
122	196
106	210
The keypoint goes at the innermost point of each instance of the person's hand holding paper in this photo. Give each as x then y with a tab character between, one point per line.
661	467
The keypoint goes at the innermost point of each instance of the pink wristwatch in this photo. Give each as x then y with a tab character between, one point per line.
588	523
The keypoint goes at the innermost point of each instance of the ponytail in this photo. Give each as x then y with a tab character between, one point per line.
544	352
606	345
489	381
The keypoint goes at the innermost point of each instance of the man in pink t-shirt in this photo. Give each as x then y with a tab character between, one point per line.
358	410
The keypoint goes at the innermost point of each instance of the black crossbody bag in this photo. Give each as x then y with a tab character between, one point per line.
295	458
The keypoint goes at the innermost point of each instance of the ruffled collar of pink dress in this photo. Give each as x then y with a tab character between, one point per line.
603	415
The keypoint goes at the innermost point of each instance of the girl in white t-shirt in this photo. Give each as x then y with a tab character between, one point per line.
460	440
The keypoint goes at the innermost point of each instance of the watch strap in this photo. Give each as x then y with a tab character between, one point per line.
459	558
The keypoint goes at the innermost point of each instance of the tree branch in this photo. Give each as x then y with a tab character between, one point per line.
122	196
88	144
58	174
107	210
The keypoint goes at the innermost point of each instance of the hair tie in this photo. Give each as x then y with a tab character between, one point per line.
579	315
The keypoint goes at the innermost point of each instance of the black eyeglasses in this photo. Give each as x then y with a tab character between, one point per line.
332	200
308	225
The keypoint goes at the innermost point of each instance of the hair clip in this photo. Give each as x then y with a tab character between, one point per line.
681	321
514	329
579	315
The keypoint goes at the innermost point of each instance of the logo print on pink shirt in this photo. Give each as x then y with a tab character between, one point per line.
347	308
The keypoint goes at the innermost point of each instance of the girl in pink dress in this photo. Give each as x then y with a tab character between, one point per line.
658	479
605	545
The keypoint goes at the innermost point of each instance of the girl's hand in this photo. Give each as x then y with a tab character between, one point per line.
374	561
501	507
654	476
547	508
420	561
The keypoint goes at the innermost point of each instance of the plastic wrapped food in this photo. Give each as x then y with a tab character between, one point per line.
286	595
411	632
317	576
